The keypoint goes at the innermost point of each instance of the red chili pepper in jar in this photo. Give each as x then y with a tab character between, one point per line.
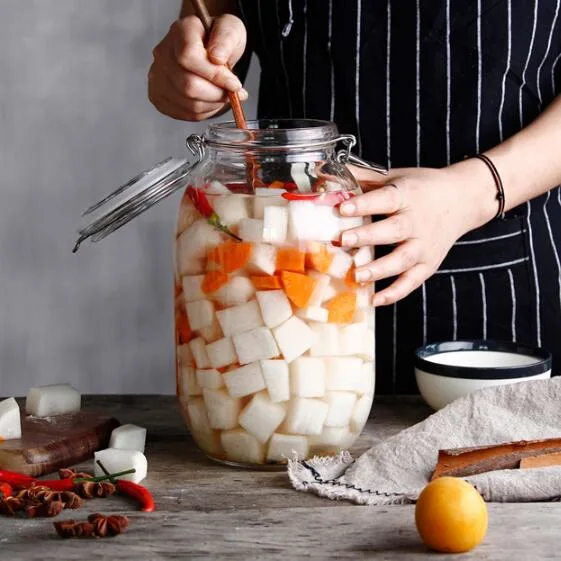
202	204
332	198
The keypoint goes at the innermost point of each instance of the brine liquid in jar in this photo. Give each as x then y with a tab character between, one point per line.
275	339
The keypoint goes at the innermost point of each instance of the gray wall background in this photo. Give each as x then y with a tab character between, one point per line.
75	123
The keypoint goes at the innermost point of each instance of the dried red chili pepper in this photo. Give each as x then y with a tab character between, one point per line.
14	478
138	493
202	204
333	198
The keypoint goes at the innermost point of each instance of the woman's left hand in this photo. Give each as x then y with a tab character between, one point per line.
427	211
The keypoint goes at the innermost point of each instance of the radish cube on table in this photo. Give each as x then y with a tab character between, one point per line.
56	399
283	447
257	344
198	350
222	409
192	288
236	291
240	446
245	380
327	339
115	460
10	420
343	373
276	376
360	413
263	259
261	417
275	307
128	437
188	383
341	405
200	314
275	224
238	319
221	353
232	209
306	416
294	338
307	377
209	378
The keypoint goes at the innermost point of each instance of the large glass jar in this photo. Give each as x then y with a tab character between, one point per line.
274	338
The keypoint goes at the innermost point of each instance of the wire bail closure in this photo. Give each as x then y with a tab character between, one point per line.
345	156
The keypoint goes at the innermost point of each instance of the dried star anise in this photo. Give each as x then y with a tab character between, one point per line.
47	509
11	505
68	473
98	525
65	529
90	490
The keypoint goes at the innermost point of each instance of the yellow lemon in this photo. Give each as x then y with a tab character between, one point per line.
451	516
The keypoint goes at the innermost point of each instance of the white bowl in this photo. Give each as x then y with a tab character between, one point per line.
449	370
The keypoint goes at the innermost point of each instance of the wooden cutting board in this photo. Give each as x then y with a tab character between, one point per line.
55	442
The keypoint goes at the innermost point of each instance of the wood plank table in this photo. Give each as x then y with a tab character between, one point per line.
206	510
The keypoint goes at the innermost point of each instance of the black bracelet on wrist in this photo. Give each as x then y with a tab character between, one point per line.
498	183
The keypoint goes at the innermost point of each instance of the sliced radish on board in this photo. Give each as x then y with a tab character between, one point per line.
56	399
10	421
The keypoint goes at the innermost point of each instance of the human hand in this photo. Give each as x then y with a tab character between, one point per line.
427	211
188	79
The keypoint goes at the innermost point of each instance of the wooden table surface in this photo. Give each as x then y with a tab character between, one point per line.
206	510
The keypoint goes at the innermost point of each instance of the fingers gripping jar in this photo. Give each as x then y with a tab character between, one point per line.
274	339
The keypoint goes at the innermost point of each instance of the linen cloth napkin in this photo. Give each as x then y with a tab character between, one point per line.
396	470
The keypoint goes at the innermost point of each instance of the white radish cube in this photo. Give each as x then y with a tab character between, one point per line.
200	428
340	264
236	291
200	314
128	437
364	298
245	380
322	283
212	332
251	230
307	377
222	409
115	460
198	350
306	416
351	339
184	355
341	405
56	399
361	316
350	222
313	313
192	246
217	188
209	378
275	374
366	351
327	339
309	221
10	421
275	307
283	447
192	288
294	338
360	413
332	439
261	417
240	446
330	292
232	209
238	319
368	380
186	216
263	259
343	373
188	383
221	353
257	344
363	256
275	224
264	200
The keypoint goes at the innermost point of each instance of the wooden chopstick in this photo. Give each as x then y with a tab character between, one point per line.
202	13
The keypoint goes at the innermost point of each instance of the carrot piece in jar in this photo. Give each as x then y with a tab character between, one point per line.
266	282
182	328
298	287
230	256
276	184
318	258
350	280
213	281
341	308
291	259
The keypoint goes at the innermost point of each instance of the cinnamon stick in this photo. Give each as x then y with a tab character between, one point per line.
462	462
545	460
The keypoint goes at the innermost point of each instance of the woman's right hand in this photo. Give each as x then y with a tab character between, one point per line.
187	79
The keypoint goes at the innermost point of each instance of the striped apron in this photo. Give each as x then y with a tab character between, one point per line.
425	83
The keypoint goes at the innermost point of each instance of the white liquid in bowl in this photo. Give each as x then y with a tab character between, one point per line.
482	359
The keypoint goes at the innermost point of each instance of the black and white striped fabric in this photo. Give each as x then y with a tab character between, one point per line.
425	83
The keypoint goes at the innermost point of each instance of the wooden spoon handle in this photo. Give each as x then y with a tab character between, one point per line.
202	13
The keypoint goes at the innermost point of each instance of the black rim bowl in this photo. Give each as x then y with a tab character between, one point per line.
542	364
